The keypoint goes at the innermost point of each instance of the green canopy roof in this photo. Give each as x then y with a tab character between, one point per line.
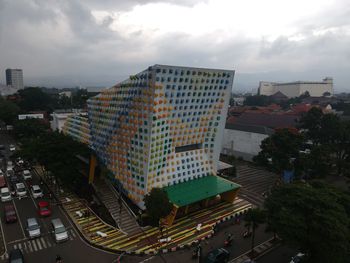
198	189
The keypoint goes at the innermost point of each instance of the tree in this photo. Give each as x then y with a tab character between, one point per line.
278	150
29	129
311	217
8	111
157	205
253	218
33	98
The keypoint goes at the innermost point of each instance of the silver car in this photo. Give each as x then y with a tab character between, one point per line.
33	228
58	230
36	191
5	194
21	190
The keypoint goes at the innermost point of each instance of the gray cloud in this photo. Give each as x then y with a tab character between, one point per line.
59	43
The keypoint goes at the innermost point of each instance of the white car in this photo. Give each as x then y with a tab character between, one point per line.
27	174
12	148
5	194
21	190
36	191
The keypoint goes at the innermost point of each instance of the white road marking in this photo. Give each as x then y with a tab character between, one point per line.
39	244
19	219
20	246
34	245
3	235
14	246
30	246
25	247
43	242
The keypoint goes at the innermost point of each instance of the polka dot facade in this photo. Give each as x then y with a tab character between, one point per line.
160	127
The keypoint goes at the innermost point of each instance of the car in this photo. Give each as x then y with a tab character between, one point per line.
2	147
2	180
21	191
59	231
298	258
9	171
12	148
10	213
20	161
33	227
219	255
44	208
26	174
9	164
5	194
16	256
36	191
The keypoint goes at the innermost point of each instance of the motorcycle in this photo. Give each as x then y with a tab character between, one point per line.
228	241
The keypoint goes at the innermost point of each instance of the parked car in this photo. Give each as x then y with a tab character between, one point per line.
36	191
33	227
10	213
2	180
26	174
21	191
219	255
9	171
59	230
12	148
5	194
16	256
44	208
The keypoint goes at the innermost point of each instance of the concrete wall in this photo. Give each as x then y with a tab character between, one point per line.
247	143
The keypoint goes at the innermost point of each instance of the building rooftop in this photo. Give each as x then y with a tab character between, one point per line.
249	128
198	189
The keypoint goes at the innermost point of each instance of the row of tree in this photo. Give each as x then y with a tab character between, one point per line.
322	147
54	151
35	99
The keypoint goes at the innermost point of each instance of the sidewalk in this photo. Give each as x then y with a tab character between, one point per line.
183	233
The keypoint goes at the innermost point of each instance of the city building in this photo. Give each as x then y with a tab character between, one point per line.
295	89
243	140
59	117
14	78
77	126
31	116
7	90
163	127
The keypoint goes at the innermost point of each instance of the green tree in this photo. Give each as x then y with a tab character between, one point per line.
279	150
253	218
157	205
311	217
8	111
29	129
33	98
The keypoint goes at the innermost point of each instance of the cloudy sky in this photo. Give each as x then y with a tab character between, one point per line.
101	42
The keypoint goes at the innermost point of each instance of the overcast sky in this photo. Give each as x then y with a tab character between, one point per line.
101	42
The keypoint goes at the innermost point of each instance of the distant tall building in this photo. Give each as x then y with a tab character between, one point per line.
297	88
14	78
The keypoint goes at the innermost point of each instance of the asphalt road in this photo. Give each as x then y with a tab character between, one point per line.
44	248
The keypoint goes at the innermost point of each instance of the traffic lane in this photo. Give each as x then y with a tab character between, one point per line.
280	254
72	251
12	231
239	245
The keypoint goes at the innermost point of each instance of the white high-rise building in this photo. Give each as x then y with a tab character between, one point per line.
297	88
14	78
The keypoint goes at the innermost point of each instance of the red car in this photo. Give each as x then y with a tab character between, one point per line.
10	213
44	208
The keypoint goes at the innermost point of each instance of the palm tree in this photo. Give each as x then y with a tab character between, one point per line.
253	218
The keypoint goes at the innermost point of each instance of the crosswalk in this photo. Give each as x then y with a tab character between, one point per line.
33	245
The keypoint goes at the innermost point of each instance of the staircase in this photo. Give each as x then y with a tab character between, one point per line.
116	207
